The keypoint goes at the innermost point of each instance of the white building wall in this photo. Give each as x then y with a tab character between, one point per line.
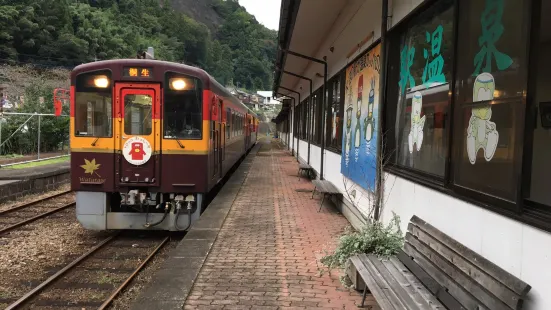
518	248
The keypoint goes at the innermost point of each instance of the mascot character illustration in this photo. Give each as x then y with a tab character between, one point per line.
482	133
417	122
357	130
348	132
368	121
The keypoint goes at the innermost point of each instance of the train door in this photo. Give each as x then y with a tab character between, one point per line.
247	133
223	121
137	130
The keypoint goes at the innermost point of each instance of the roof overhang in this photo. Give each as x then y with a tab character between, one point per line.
303	28
332	30
288	15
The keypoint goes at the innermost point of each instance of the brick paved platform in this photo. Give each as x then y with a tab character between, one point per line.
266	252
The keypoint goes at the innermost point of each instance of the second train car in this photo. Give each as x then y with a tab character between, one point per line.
149	139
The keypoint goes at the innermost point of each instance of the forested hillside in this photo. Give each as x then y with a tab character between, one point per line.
216	35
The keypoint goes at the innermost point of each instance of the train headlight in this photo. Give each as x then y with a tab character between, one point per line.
101	81
178	84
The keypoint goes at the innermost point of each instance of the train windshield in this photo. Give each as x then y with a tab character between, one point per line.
93	108
183	111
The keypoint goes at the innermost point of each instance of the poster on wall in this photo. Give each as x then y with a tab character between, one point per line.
361	110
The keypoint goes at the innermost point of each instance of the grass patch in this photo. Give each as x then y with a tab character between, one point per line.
40	163
10	156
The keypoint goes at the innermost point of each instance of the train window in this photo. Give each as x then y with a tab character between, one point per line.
183	112
137	114
228	122
93	107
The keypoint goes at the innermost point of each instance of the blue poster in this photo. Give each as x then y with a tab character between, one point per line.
361	112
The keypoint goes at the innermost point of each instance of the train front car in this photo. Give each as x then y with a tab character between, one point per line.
140	139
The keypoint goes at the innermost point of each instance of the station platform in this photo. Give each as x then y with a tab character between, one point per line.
257	246
15	183
34	172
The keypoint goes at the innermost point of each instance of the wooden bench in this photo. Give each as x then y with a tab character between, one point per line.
304	167
326	188
434	271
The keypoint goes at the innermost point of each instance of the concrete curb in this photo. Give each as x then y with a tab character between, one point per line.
172	283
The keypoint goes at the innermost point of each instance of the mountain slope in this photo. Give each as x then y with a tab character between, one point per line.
204	11
217	35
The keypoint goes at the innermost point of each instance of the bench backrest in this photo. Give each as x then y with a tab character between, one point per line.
474	282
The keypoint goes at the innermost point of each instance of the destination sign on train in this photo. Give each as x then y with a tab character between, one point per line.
137	72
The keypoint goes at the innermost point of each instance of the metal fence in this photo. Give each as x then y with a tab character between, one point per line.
29	129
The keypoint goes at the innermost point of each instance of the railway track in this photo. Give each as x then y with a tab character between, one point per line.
31	211
96	278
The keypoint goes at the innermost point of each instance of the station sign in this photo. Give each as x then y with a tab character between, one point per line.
137	72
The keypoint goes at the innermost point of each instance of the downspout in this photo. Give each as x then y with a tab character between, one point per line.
298	142
382	97
288	125
323	125
307	108
324	63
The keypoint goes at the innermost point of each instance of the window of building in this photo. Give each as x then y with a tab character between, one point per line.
93	107
296	121
540	176
312	113
304	120
489	108
418	96
335	113
315	112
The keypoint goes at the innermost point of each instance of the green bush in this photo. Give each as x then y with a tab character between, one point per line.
374	238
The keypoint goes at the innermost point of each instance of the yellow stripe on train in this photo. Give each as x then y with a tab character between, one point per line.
114	143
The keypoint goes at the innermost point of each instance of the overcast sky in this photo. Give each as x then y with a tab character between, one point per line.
265	11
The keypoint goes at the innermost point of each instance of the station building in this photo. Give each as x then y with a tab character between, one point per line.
442	106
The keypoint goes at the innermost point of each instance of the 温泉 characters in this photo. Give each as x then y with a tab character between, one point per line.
357	130
369	125
482	133
417	122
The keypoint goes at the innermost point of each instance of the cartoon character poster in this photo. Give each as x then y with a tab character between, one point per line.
361	106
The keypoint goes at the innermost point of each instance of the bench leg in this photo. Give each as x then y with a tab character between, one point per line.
321	204
363	297
313	192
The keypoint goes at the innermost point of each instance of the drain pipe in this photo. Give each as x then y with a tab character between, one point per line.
298	142
288	125
324	63
382	89
308	116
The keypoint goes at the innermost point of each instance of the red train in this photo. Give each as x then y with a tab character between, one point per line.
149	139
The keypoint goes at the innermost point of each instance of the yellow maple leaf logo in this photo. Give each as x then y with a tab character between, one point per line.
91	167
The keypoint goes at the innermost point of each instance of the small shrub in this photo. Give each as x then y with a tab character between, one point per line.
374	238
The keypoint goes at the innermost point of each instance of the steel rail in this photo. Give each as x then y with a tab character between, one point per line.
32	219
30	203
58	274
133	275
